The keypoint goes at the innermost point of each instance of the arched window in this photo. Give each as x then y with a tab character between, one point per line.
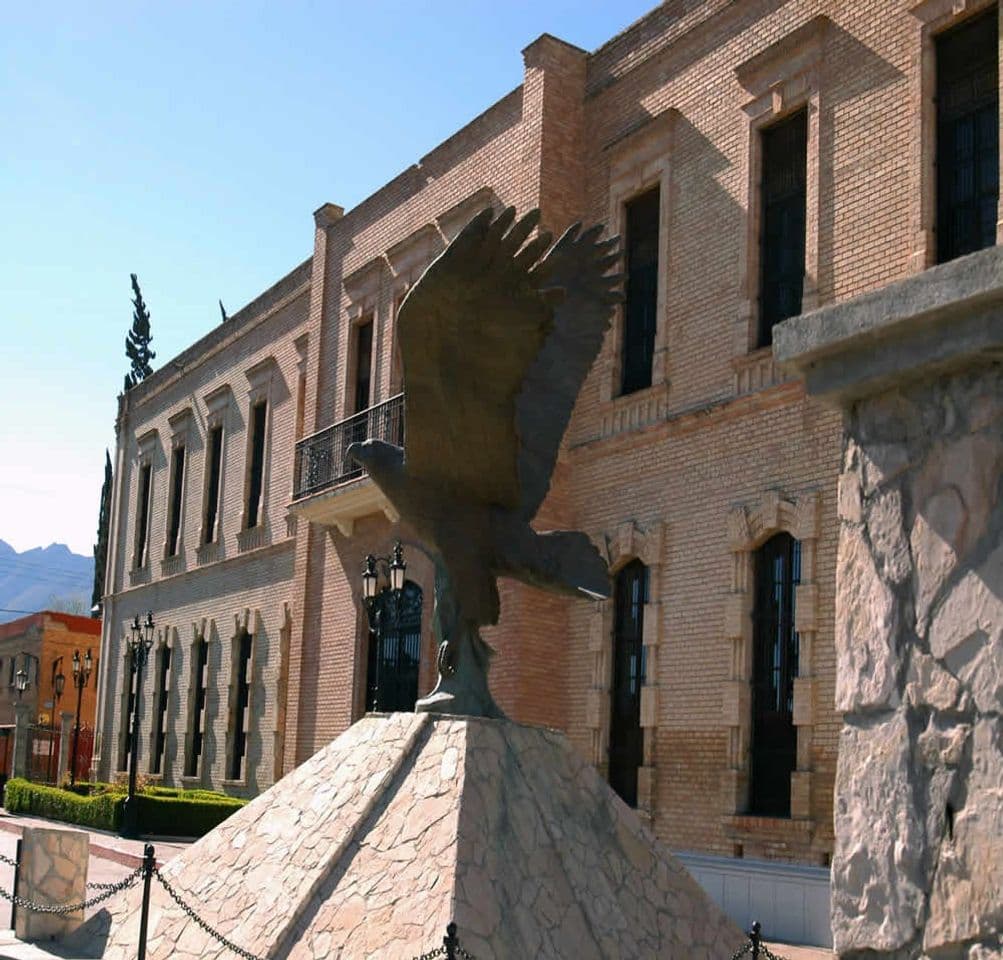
774	667
394	650
626	742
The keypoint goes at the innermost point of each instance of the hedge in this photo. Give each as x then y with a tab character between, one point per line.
185	813
103	811
167	815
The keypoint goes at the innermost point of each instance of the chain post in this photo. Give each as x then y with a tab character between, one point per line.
450	942
149	865
755	938
17	877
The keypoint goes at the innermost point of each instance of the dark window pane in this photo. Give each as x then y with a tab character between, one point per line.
782	230
639	310
257	465
143	516
626	743
212	487
242	691
967	137
774	667
195	730
363	364
160	716
177	495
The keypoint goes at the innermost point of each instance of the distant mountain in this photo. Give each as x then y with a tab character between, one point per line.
45	578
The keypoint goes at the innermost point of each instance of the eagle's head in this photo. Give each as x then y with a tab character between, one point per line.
379	458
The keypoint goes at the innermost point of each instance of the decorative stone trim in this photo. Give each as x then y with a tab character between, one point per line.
622	545
139	576
638	162
171	566
756	371
781	79
252	539
207	553
935	17
749	526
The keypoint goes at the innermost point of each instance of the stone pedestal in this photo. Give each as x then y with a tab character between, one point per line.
409	821
918	863
22	717
53	872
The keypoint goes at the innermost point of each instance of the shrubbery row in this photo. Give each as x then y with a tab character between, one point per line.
166	811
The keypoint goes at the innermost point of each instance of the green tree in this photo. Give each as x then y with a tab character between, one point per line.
101	547
137	343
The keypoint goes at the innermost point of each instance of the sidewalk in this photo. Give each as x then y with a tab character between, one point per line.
103	844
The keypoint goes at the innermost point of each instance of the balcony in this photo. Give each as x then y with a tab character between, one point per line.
330	488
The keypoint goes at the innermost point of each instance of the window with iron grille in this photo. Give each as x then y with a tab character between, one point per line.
782	222
240	694
967	136
257	462
143	515
214	467
161	693
394	650
774	667
177	500
626	742
640	306
196	719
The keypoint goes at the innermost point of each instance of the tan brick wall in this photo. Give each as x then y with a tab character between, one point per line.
677	99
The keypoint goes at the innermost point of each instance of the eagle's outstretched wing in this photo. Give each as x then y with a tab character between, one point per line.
574	275
495	347
468	331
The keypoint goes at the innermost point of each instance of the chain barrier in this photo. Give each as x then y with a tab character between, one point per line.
745	948
8	861
176	897
109	891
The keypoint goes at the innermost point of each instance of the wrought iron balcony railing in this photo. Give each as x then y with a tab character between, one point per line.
321	459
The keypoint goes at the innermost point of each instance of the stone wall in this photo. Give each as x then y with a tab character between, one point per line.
53	873
918	862
919	635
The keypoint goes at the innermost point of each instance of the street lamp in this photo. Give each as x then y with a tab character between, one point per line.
22	682
394	568
139	646
58	682
81	674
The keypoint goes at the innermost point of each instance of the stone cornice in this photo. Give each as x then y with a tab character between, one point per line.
943	317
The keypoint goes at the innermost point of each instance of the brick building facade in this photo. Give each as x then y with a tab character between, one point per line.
760	159
43	645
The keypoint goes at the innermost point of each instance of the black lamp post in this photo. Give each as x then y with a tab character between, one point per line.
81	674
21	682
394	568
58	682
139	646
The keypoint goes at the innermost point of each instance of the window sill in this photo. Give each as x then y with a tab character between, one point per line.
635	411
750	826
195	781
170	566
207	553
252	538
755	371
139	575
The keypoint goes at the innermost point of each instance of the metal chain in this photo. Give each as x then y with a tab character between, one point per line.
102	886
176	897
110	891
768	953
7	860
745	948
437	952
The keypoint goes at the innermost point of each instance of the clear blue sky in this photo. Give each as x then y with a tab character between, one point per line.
189	143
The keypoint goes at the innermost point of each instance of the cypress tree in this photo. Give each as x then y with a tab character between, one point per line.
101	547
222	311
137	343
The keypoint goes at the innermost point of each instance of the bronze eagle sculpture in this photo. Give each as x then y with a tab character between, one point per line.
496	339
